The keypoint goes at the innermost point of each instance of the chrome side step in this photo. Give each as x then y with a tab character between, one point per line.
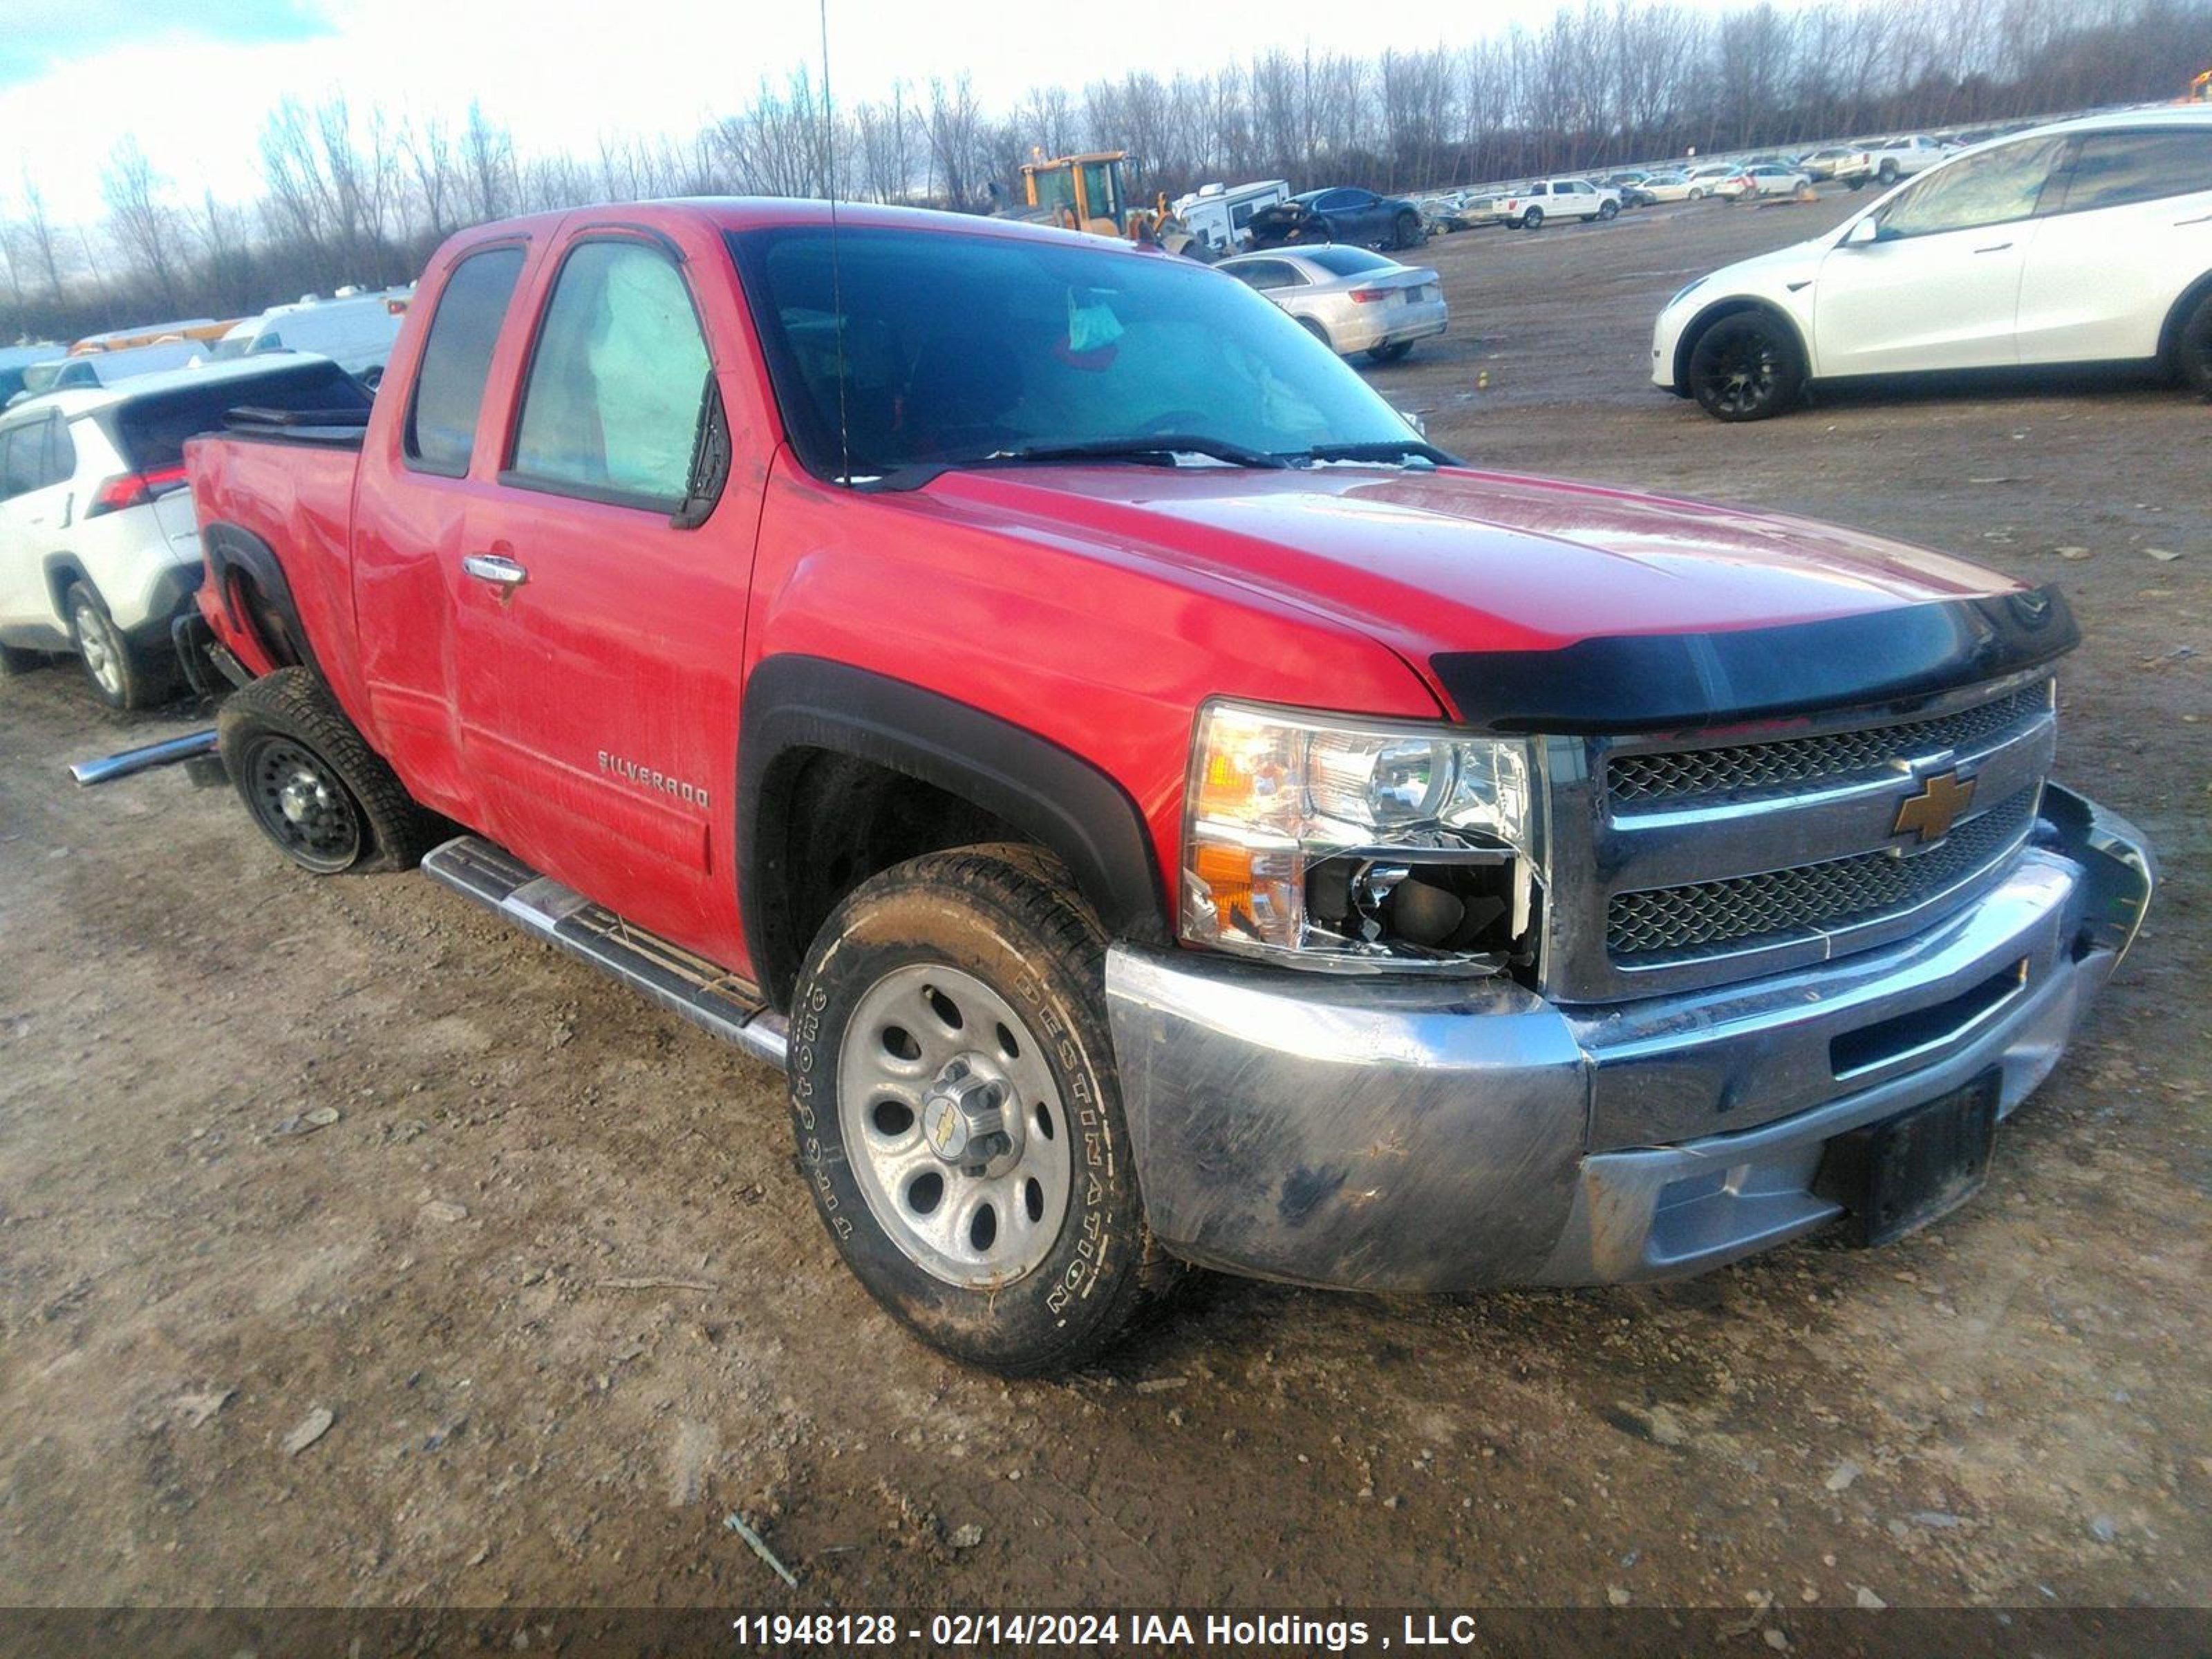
711	997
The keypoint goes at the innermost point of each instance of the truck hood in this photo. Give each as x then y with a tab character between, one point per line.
1445	564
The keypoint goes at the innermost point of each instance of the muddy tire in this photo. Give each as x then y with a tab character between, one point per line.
118	676
959	1113
317	791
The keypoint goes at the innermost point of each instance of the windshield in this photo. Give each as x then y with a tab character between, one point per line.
958	348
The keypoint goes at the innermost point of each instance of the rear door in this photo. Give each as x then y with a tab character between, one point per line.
36	507
1939	287
601	612
2128	227
418	474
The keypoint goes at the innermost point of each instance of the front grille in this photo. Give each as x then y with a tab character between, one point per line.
1789	762
1673	923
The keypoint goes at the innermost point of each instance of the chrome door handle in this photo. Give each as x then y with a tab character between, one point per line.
490	567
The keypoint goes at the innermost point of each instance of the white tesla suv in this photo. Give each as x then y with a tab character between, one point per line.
2089	241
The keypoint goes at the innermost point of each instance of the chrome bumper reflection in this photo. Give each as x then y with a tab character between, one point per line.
1426	1137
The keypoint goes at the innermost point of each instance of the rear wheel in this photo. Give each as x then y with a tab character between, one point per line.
313	785
1697	192
1532	220
2192	347
959	1116
119	678
1746	367
1887	174
1317	332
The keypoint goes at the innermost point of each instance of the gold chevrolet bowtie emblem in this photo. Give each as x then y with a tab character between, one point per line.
1931	814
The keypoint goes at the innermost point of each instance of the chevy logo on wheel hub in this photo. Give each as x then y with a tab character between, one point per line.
1930	814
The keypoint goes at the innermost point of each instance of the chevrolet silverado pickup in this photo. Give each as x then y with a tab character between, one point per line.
1153	806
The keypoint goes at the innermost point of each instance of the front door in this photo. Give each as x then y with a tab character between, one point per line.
601	604
1938	287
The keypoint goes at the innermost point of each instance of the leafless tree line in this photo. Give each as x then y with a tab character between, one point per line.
351	194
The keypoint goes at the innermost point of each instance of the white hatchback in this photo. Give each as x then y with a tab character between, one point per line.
2089	241
99	550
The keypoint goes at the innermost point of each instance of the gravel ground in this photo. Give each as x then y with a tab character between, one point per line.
545	1283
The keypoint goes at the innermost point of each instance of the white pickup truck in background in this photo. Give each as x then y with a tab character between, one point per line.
1888	160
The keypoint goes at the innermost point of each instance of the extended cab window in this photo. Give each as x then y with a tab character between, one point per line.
1993	188
2112	169
612	404
449	387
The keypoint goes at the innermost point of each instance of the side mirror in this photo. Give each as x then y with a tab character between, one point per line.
1863	233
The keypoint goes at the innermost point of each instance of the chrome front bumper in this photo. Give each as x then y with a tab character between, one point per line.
1418	1136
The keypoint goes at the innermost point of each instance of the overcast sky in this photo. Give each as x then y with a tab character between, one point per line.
193	81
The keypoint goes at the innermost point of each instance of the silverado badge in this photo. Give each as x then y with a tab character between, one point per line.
1931	813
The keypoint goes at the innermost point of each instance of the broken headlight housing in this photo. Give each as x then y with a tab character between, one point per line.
1327	842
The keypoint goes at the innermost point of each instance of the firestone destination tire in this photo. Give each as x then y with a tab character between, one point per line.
959	1114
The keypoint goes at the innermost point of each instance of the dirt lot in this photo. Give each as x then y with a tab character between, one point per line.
552	1275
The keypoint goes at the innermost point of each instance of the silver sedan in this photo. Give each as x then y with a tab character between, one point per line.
1347	298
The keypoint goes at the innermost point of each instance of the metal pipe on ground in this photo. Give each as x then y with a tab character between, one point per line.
132	761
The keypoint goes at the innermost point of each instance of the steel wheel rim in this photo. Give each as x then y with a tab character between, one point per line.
302	804
913	1147
97	650
1742	373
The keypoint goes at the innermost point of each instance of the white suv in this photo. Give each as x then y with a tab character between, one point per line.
99	552
2089	241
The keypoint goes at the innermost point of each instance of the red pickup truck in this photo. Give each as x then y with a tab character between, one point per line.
1156	807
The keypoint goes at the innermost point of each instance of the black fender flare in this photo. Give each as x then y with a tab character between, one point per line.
231	549
797	704
1729	306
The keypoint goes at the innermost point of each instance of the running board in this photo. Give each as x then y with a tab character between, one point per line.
711	997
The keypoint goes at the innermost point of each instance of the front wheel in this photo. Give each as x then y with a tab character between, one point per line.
959	1113
1697	194
1746	367
2192	347
329	801
1532	220
1408	229
1609	211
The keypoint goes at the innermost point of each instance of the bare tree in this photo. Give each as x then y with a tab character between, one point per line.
487	166
146	223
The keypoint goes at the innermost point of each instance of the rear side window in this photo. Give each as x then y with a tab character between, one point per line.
616	381
150	431
449	387
2112	169
19	460
61	451
1340	261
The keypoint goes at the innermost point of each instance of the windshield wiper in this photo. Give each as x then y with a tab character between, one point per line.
1168	444
1390	449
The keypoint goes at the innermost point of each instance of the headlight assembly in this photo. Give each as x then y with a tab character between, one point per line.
1344	844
